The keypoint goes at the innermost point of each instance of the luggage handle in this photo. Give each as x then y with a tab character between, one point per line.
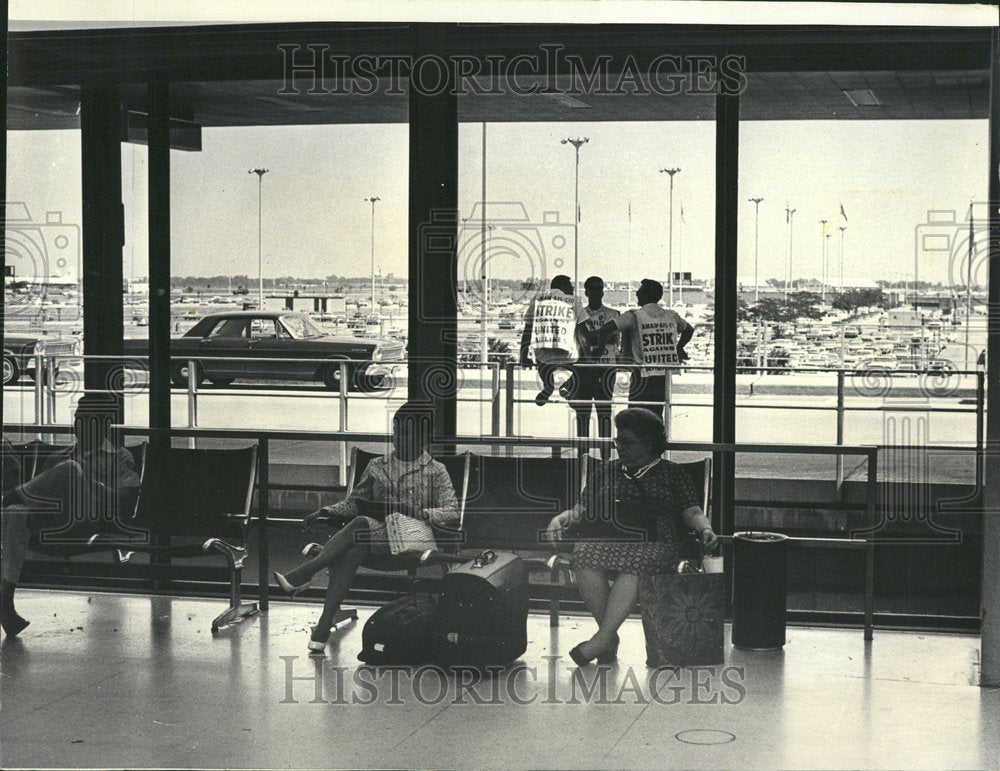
485	558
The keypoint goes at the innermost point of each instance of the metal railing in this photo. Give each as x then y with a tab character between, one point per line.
47	389
840	407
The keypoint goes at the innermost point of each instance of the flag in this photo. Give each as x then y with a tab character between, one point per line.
842	213
682	214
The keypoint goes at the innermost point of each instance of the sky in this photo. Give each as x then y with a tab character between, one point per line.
315	221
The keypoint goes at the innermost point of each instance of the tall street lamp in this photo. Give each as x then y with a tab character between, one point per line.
822	256
670	238
372	200
842	228
577	142
756	234
485	289
790	219
260	260
826	243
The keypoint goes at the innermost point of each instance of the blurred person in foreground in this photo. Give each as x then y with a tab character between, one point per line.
92	480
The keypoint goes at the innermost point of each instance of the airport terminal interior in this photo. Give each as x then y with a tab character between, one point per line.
299	463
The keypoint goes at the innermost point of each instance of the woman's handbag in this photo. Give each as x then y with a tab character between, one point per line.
407	534
682	616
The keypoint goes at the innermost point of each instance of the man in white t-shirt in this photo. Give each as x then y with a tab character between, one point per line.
550	333
654	337
592	385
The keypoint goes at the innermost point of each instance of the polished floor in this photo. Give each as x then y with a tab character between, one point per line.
102	680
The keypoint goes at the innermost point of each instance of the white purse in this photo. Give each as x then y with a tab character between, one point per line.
407	534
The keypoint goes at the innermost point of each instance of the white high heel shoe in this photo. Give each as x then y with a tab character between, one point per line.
318	645
287	587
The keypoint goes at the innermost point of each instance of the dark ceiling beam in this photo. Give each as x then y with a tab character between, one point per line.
252	51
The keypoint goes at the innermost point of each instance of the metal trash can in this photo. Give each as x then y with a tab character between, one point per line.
760	590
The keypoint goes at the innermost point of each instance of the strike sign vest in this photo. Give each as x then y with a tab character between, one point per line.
553	325
654	338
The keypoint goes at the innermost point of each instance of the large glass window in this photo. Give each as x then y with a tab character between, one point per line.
42	269
616	172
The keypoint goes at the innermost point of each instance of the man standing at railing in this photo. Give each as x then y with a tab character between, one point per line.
653	337
550	333
593	384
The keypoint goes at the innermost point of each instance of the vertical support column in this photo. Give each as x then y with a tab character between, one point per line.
433	232
103	237
727	140
159	256
158	202
990	615
3	197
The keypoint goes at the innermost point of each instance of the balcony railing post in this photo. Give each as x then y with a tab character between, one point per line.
192	383
872	499
342	403
510	384
49	384
840	427
39	396
495	401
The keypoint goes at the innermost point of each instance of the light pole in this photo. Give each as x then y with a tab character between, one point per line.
260	259
628	258
680	257
670	238
822	257
577	142
485	289
372	199
790	219
756	234
842	228
826	243
465	279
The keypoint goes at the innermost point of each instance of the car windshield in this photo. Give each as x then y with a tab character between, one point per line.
301	327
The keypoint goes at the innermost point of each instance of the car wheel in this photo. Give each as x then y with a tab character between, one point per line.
221	382
11	372
179	374
368	383
331	376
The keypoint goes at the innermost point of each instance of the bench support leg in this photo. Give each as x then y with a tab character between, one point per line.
237	610
345	614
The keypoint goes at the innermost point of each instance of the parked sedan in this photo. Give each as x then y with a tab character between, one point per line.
222	344
19	353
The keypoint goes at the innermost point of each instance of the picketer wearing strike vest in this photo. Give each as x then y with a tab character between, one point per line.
654	337
550	333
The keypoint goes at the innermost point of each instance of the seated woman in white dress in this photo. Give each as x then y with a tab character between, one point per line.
407	480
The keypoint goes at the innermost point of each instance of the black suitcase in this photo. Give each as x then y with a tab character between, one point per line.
401	633
483	612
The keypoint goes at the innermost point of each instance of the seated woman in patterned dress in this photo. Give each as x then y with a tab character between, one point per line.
407	480
628	523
